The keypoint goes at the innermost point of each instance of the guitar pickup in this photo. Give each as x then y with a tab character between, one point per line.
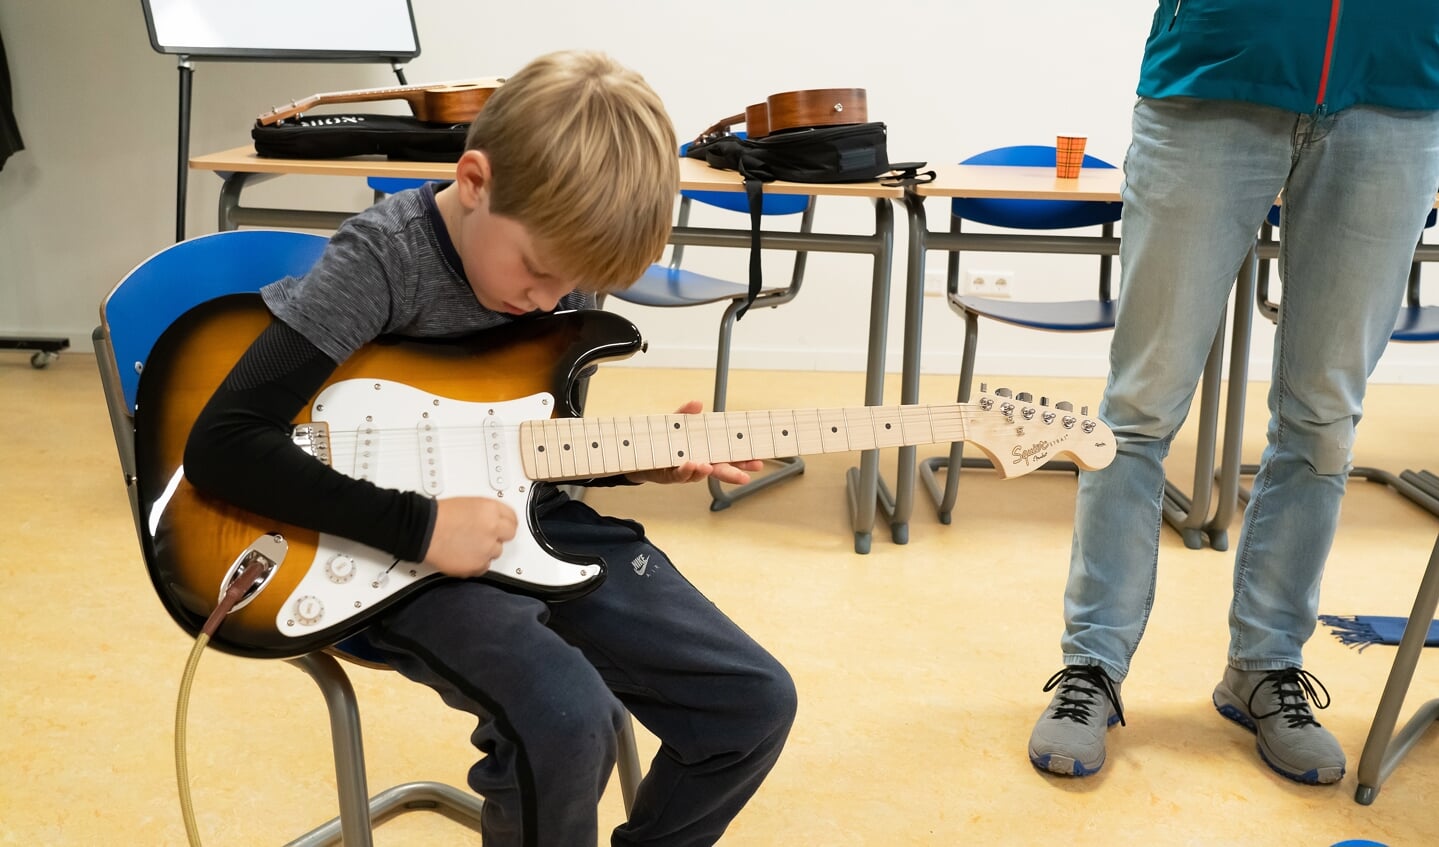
367	452
432	481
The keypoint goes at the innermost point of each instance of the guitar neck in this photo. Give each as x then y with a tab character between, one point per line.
578	448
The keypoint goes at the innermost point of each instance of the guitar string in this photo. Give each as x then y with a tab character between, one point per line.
459	440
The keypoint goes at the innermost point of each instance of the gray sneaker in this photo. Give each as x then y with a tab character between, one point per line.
1274	706
1069	737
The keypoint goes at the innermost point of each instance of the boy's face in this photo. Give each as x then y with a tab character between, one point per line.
507	270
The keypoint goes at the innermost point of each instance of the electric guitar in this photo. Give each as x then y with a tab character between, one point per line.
491	415
445	103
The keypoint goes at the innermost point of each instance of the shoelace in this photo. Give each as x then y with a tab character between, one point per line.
1292	686
1076	698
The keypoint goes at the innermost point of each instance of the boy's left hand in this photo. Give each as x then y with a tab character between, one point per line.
731	472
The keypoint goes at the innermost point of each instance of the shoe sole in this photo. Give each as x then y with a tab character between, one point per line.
1315	776
1065	765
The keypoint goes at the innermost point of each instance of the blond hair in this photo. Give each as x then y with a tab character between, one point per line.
583	154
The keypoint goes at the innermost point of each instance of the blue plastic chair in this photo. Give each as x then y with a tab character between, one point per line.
1415	324
383	186
132	318
1090	314
669	285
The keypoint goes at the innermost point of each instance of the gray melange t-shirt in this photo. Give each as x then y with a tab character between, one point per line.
390	270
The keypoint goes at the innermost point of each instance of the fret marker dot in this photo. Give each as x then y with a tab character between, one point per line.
567	446
739	435
594	445
677	424
784	432
834	429
626	442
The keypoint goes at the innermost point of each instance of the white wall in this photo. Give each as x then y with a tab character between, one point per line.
94	193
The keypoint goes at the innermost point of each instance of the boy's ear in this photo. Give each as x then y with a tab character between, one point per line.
472	176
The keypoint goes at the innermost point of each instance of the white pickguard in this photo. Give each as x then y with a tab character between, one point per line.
398	436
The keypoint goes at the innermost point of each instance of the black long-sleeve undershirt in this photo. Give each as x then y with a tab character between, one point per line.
240	450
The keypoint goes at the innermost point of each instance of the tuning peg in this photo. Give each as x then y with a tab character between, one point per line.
1064	405
1025	397
1004	392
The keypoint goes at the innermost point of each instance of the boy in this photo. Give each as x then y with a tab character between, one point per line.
568	177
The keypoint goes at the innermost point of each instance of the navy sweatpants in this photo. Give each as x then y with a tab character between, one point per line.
550	684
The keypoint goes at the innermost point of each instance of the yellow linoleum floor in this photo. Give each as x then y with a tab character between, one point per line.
919	666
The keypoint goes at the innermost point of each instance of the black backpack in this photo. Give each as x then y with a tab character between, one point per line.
827	154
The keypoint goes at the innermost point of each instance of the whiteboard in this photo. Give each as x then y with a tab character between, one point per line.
334	30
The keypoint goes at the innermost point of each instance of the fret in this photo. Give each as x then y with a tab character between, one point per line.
915	425
659	442
785	432
949	421
676	441
625	445
739	438
719	439
593	454
886	428
833	434
759	433
697	441
806	431
609	446
548	448
566	429
859	422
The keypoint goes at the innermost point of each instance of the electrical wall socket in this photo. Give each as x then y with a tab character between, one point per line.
996	284
936	281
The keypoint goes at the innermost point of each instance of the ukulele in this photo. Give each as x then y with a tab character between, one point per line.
445	103
489	415
803	109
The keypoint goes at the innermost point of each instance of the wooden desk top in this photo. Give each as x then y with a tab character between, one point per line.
1020	183
244	160
694	174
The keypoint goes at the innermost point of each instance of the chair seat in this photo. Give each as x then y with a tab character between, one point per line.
1063	315
662	285
1417	323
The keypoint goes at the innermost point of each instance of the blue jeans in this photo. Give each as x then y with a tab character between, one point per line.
1199	178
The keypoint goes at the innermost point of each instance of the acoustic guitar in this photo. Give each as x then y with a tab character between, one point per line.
444	103
492	416
803	109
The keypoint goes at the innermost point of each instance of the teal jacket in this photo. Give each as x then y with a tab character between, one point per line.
1306	56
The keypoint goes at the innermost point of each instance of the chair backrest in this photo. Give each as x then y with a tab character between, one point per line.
170	283
1033	214
738	201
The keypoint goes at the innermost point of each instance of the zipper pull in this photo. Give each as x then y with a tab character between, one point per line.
1175	18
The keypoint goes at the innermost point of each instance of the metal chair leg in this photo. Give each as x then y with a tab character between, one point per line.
1383	748
359	812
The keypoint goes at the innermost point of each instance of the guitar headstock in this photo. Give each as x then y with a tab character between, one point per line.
1019	434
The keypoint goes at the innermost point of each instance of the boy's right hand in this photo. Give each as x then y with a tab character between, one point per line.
470	533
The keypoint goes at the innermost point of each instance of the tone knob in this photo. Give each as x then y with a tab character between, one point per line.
340	568
309	609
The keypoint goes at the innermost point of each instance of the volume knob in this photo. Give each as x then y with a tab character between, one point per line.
309	609
340	568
